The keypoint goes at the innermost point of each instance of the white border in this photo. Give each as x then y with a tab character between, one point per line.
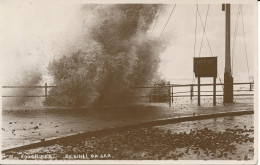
156	161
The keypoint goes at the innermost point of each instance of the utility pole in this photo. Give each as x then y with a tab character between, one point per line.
228	79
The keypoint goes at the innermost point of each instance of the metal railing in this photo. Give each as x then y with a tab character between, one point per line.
190	93
170	91
45	87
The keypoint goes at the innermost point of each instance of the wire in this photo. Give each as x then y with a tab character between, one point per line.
208	43
205	33
235	36
196	30
167	20
193	79
204	29
245	41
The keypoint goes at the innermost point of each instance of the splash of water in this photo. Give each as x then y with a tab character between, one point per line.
30	77
119	54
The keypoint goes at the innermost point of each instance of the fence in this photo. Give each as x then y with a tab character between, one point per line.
190	93
158	93
45	91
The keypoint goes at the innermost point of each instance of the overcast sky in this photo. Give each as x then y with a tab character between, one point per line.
177	58
32	34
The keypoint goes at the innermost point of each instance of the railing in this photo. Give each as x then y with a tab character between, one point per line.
190	93
170	91
45	91
219	84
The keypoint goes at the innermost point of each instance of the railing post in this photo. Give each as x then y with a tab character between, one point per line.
172	93
169	94
214	91
250	86
191	92
150	96
45	91
198	91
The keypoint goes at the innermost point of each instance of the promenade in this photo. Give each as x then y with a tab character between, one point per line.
23	127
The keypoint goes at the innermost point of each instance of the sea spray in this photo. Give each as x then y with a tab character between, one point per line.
119	54
30	77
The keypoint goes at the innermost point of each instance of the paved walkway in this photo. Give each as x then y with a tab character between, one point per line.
25	127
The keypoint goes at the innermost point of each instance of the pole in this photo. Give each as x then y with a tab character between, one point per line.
169	95
214	91
198	91
172	93
228	79
45	91
191	92
150	95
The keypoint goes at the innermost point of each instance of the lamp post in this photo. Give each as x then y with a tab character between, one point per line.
228	78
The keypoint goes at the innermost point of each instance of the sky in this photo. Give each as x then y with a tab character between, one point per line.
177	59
33	34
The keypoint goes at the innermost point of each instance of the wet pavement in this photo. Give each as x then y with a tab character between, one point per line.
23	126
225	138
